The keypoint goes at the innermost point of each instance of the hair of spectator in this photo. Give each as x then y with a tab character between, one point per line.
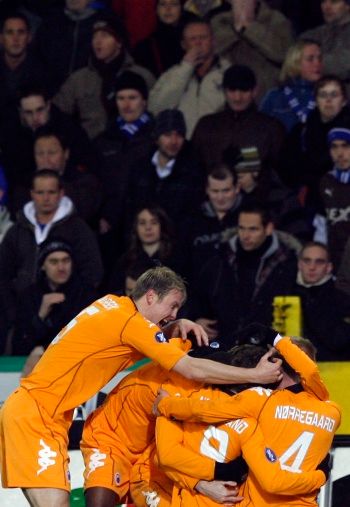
311	244
194	21
47	131
166	233
15	15
47	173
222	171
330	78
32	90
292	62
160	279
257	208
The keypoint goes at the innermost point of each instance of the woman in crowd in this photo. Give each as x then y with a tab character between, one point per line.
293	101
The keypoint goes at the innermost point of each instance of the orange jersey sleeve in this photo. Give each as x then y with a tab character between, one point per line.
304	365
106	337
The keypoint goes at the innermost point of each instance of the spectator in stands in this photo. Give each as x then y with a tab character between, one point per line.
293	101
162	49
254	34
334	38
56	297
36	110
48	214
325	324
194	85
240	125
128	137
206	8
18	66
51	151
237	286
217	216
89	91
62	41
168	176
305	157
151	242
335	193
5	221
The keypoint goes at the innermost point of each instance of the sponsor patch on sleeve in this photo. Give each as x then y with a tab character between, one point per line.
160	337
270	455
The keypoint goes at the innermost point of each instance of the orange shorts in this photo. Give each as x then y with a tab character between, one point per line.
107	461
33	445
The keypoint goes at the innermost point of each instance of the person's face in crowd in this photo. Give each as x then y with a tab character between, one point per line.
198	35
222	193
15	37
163	309
239	100
311	63
330	100
130	104
34	111
58	267
50	154
77	5
340	153
334	10
105	46
251	231
170	144
169	11
247	181
46	195
148	228
314	264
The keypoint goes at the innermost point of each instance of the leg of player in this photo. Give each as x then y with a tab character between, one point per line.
46	497
101	497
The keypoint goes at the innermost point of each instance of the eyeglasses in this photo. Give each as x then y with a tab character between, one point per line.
328	95
308	261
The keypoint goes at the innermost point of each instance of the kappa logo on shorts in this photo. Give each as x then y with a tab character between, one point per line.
45	456
270	455
151	498
96	460
160	337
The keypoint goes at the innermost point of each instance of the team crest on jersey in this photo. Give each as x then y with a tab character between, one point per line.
117	479
160	337
270	455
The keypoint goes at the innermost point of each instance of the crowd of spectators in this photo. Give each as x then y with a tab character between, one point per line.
212	137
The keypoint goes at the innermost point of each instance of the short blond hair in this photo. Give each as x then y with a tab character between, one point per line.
292	62
160	279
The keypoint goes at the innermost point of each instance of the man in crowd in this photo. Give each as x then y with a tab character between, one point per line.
127	329
239	125
194	85
48	214
89	92
237	286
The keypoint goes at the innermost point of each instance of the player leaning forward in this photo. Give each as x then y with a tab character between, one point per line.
103	339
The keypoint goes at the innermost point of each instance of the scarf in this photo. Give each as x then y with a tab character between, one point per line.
341	175
294	103
131	129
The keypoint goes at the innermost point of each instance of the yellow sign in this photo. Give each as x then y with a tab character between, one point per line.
336	376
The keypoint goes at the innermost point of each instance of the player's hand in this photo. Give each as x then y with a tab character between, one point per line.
183	327
268	372
209	326
225	492
162	393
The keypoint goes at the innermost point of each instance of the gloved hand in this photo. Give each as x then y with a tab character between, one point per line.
326	465
255	334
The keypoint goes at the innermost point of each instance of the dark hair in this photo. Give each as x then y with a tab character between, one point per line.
222	171
15	15
47	131
311	244
330	78
46	173
195	21
257	208
30	90
166	235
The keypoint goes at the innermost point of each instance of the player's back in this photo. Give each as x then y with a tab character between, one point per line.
300	430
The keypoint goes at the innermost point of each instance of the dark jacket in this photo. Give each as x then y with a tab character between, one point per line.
19	255
221	295
30	330
324	309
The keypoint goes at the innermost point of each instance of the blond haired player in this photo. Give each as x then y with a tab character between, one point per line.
103	339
